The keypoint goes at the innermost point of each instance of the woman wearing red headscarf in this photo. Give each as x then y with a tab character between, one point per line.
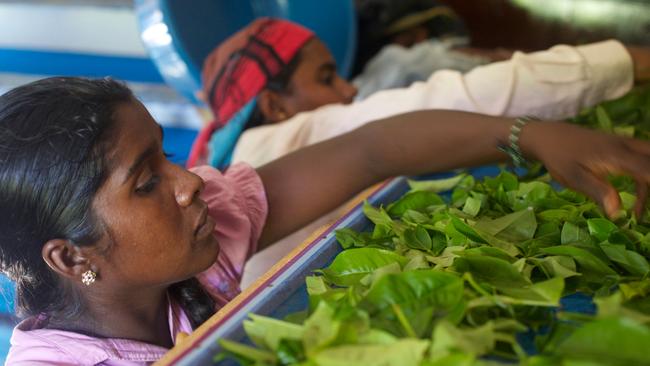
242	78
277	71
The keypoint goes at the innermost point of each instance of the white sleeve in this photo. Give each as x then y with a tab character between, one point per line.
551	84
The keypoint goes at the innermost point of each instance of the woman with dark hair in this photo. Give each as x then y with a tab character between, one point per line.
116	251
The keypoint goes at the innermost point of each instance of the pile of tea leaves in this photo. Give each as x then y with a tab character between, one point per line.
628	115
465	281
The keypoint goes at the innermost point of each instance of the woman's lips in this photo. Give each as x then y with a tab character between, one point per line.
203	216
205	229
205	224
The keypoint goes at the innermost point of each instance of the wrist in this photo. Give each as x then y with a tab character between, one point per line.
533	139
520	145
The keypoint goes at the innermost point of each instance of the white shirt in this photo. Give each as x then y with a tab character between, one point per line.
552	84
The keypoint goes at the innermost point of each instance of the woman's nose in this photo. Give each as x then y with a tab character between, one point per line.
188	187
348	91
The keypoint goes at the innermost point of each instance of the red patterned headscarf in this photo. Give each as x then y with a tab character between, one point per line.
238	69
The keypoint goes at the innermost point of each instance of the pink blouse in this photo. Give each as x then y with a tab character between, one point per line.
237	202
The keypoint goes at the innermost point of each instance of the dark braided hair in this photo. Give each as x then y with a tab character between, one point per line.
54	137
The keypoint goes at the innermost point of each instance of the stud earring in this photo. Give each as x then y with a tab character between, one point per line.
88	277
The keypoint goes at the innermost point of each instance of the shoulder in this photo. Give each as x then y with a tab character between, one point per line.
32	345
260	145
240	183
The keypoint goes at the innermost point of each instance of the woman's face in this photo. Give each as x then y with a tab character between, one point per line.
156	228
315	82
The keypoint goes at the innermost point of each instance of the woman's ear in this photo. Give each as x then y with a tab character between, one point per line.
273	106
65	258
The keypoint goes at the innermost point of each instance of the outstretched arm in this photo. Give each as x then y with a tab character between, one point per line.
552	84
310	182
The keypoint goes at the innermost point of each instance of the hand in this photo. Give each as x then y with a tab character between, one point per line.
582	159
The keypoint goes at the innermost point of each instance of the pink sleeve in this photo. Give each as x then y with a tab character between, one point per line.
237	202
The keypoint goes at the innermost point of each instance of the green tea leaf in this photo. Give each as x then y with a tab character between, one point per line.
505	181
472	206
520	225
555	214
604	123
316	285
320	329
633	262
404	352
353	264
572	233
601	228
381	271
474	341
348	238
417	201
628	200
559	266
377	215
497	272
436	185
267	332
247	352
453	359
589	263
485	250
613	341
376	336
544	293
466	230
635	289
290	352
438	242
627	131
416	289
418	238
415	217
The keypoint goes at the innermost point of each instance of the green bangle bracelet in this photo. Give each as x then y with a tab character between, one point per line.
512	148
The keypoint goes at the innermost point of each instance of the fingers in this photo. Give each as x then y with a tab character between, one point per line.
599	190
626	156
632	158
638	146
637	165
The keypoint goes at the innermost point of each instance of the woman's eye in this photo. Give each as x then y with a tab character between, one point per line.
149	185
328	79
